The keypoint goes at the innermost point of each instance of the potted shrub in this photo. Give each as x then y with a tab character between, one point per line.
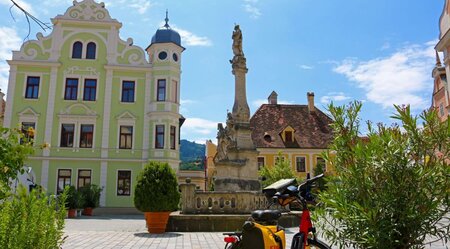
156	194
91	196
72	201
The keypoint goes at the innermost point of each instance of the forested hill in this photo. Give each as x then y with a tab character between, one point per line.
191	155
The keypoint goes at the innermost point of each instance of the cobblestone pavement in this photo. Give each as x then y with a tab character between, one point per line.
130	232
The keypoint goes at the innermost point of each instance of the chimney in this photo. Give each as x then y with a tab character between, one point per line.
311	107
273	98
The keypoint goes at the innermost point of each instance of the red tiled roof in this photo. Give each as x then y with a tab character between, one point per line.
312	130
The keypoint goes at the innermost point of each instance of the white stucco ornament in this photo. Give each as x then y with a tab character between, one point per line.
87	10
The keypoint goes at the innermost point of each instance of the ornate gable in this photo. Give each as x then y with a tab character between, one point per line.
87	10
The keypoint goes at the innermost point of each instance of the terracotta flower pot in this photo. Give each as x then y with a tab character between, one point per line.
88	211
156	221
72	213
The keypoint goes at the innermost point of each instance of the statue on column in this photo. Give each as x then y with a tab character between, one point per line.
238	59
237	41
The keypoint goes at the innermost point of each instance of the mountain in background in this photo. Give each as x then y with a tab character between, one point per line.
191	155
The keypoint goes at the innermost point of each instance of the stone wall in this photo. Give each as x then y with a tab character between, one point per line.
219	202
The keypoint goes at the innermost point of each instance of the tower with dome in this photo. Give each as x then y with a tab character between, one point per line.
101	107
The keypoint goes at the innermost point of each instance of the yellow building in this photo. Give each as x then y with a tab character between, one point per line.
300	132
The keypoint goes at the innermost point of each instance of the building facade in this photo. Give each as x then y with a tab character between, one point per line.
299	133
441	91
101	106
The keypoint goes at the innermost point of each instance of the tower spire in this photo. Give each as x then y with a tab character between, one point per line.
438	60
167	19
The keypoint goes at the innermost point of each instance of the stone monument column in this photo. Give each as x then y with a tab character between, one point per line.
236	157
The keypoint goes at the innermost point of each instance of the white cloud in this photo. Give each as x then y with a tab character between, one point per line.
23	4
187	101
190	39
401	78
9	41
305	67
334	96
140	5
199	126
258	102
250	7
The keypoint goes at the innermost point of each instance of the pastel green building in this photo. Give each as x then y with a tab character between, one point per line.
99	107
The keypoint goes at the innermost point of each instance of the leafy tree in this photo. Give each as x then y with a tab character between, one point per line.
392	189
281	170
14	150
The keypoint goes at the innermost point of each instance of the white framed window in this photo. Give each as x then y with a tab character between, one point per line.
64	178
300	164
161	90
126	137
77	132
160	136
29	118
84	50
123	184
84	177
67	135
126	131
77	50
91	50
174	91
32	86
261	162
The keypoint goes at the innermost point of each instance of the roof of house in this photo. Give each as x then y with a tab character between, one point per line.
312	129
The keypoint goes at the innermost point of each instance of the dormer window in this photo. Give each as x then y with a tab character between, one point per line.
90	50
288	134
77	49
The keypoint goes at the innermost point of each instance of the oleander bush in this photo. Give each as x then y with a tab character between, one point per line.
32	220
391	189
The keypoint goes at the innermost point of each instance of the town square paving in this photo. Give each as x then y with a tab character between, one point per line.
129	231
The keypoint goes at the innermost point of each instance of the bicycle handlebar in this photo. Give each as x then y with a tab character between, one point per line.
302	192
309	182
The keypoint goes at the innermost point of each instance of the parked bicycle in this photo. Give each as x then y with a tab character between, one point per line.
262	231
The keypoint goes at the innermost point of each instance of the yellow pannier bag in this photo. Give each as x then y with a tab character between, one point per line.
257	236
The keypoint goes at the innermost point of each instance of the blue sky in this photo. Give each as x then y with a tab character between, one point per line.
379	52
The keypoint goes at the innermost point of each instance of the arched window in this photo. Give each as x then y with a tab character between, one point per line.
76	50
90	51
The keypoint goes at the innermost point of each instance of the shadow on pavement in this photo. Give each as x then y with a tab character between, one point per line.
110	217
162	235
